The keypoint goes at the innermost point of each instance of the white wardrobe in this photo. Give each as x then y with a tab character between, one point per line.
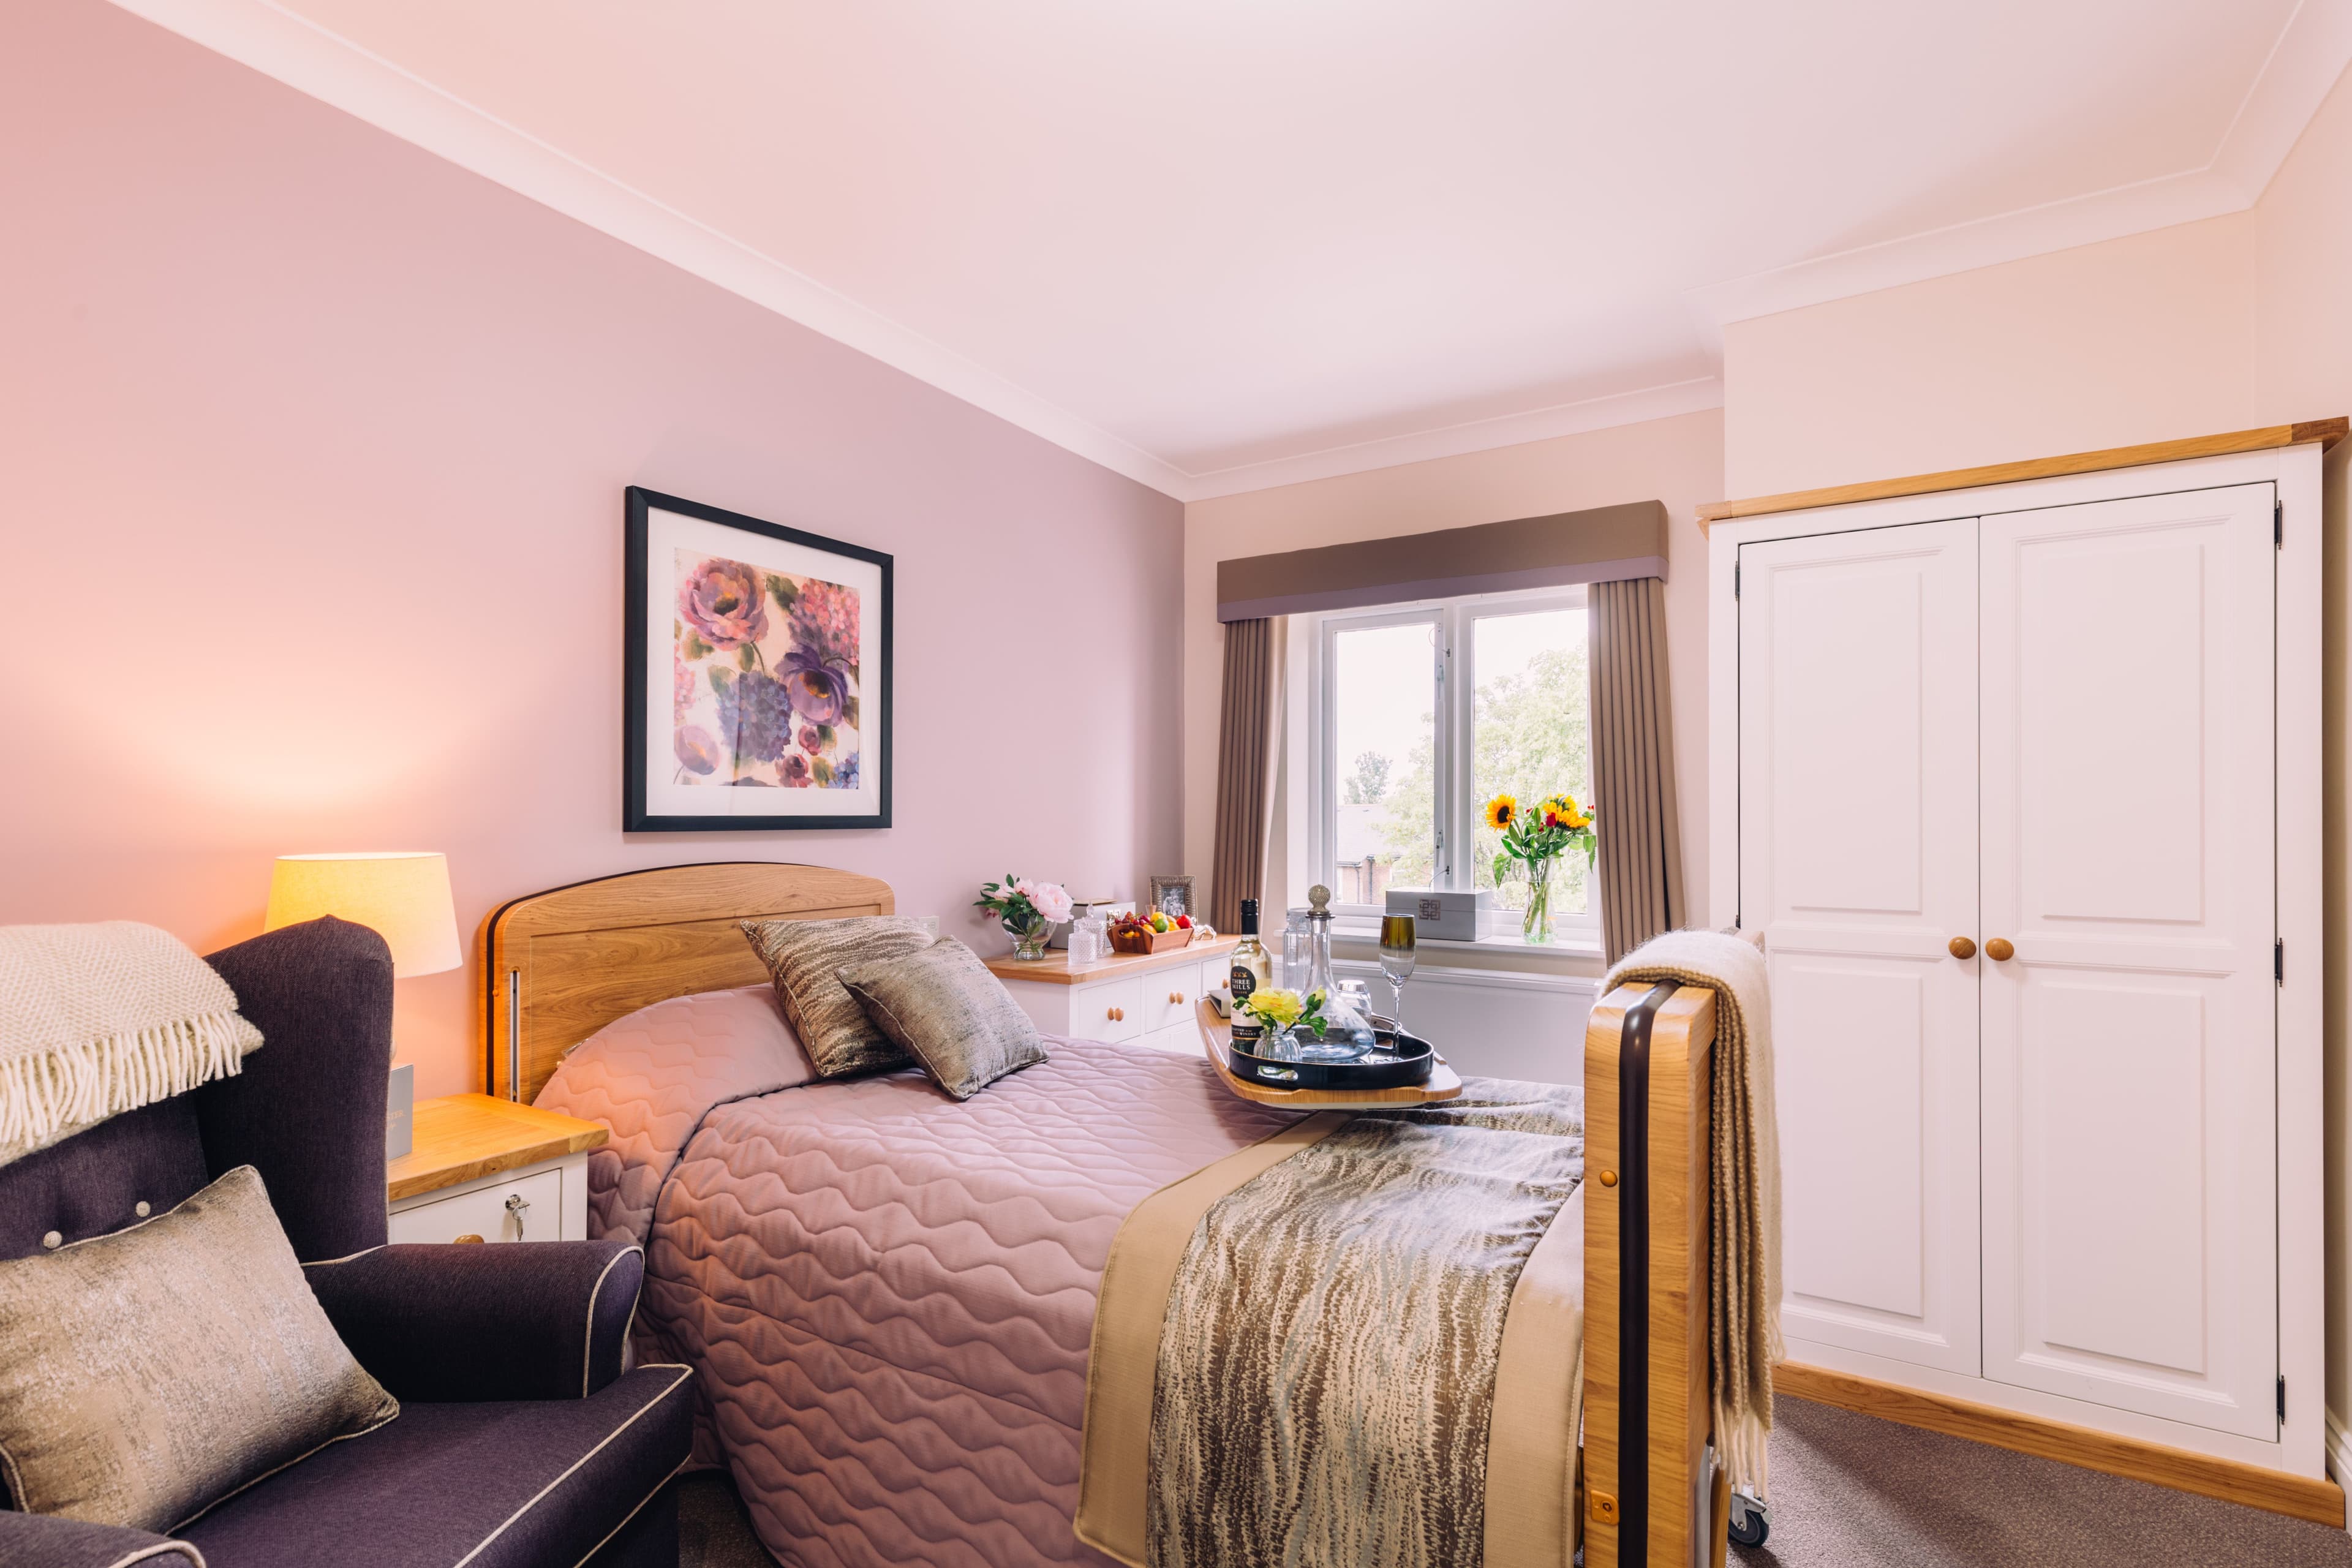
2024	781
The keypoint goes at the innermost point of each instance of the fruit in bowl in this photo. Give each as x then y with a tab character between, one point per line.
1154	933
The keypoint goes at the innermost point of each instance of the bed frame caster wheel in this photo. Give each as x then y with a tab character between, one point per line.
1747	1526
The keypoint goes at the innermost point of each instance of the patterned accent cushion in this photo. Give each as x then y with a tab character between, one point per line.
146	1375
951	1013
806	956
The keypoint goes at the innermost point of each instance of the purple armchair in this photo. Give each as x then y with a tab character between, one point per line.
521	1442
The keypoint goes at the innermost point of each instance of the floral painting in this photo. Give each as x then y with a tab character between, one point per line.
764	677
756	687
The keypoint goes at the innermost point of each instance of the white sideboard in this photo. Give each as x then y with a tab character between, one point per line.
1142	1000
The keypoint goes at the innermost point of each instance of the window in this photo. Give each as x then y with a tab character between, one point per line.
1421	714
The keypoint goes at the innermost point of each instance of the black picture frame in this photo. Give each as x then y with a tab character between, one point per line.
639	621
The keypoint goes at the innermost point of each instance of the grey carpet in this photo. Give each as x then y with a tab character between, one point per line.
713	1531
1853	1492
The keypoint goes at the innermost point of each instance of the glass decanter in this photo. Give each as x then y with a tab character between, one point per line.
1347	1033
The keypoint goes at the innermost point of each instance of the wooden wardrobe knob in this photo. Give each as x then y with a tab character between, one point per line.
1176	998
1962	947
1998	950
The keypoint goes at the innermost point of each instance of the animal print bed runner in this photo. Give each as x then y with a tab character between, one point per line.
1326	1369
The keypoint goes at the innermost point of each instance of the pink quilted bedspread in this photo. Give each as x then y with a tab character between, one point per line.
889	1295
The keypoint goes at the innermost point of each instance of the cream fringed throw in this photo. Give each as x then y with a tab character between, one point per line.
1744	1308
99	1019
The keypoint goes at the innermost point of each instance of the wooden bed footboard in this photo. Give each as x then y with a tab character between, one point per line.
1650	1499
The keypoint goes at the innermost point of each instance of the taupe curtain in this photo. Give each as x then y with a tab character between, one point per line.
1247	737
1639	849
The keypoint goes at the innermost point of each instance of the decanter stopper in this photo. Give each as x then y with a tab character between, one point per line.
1319	902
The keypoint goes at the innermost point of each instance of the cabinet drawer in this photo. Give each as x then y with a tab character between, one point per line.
1110	1012
483	1212
1168	996
1216	974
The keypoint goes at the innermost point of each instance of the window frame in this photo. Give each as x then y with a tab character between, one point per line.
1454	709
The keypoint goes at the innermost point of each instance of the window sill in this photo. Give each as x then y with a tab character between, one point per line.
1576	953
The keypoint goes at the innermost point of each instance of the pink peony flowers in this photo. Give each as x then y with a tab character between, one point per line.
1050	898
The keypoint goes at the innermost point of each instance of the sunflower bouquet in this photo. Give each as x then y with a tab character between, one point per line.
1537	835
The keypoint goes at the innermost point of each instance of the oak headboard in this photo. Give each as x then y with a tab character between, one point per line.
558	966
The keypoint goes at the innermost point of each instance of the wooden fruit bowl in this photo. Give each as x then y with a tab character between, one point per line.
1144	943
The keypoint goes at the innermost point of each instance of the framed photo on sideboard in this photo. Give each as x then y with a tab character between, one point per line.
1172	896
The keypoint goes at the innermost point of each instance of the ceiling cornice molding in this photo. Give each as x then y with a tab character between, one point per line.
2310	53
293	50
1457	440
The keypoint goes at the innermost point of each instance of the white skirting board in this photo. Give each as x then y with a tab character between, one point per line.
1491	1023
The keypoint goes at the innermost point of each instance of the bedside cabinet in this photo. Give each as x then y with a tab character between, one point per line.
485	1169
1122	998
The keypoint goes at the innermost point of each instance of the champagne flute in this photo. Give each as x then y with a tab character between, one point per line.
1396	957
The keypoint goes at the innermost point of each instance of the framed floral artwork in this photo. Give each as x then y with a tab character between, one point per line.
757	681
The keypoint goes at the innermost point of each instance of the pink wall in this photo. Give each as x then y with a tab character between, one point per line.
2140	339
315	447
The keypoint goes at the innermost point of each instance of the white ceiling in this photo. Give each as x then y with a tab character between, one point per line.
1223	244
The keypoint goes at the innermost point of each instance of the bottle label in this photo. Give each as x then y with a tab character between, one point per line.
1244	983
1248	1033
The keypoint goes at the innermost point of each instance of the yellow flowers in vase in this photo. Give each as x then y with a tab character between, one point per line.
1282	1011
1536	837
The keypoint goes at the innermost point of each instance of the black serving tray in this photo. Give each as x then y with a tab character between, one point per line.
1411	1064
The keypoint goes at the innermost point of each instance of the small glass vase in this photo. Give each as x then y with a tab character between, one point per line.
1029	940
1536	925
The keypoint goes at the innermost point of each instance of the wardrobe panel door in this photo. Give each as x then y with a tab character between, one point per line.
2130	1043
1858	864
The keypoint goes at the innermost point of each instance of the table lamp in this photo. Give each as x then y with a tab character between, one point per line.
402	897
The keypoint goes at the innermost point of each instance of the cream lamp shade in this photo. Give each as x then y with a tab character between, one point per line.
402	897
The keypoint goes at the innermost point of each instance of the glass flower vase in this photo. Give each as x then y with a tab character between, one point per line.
1536	925
1029	939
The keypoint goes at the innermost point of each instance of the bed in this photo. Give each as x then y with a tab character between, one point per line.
890	1298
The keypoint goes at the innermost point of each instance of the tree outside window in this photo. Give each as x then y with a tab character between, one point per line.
1393	747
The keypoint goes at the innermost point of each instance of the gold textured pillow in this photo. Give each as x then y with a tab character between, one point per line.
147	1374
954	1016
806	956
